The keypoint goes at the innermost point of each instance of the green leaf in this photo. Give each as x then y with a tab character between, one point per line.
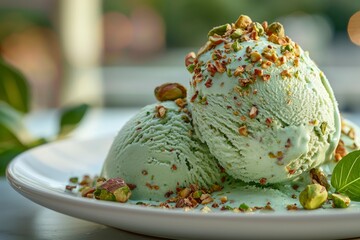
10	146
14	89
12	120
37	142
70	118
9	140
6	157
346	176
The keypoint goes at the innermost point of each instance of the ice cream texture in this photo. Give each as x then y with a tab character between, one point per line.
259	121
158	151
262	106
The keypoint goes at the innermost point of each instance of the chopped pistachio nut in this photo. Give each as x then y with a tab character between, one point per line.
206	198
351	133
181	102
237	33
297	74
191	68
340	151
258	28
220	30
228	72
85	191
223	199
255	56
276	28
114	189
122	194
236	46
197	194
313	196
238	71
185	192
216	39
103	194
227	207
170	91
243	131
189	59
323	127
74	180
287	47
253	112
340	201
319	177
243	21
160	111
245	207
206	209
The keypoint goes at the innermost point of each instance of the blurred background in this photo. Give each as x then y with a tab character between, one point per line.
113	53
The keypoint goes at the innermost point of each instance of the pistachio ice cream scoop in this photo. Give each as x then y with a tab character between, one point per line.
158	152
261	105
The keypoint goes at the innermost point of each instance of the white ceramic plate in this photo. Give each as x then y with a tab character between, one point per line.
42	173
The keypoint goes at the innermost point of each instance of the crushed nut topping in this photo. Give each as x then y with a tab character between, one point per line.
253	112
340	151
262	181
238	71
208	83
292	207
266	77
319	177
190	58
255	57
285	74
181	102
243	131
160	111
113	189
268	121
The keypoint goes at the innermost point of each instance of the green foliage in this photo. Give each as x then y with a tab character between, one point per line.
346	176
14	89
14	103
70	118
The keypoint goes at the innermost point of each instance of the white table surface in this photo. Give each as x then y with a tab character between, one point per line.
22	219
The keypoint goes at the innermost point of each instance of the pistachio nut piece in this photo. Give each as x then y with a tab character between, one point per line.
122	194
236	46
318	176
258	28
243	21
340	201
102	194
189	59
237	33
170	92
219	30
313	196
276	28
114	189
197	194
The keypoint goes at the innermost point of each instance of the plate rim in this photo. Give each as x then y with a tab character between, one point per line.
35	192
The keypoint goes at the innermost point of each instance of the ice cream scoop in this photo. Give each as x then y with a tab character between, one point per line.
158	151
262	106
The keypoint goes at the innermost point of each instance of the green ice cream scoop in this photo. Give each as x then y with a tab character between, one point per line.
158	151
263	107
